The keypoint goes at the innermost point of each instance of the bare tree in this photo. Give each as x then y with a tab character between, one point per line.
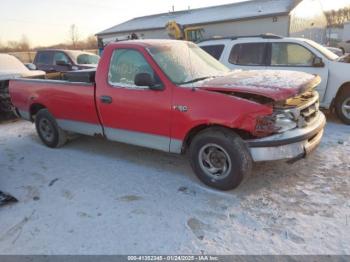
339	17
24	44
74	35
91	42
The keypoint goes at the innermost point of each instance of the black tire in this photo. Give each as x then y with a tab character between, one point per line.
48	130
219	146
342	100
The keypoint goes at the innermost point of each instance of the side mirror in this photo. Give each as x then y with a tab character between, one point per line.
62	63
31	66
145	79
318	62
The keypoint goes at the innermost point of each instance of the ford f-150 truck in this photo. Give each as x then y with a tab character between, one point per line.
172	96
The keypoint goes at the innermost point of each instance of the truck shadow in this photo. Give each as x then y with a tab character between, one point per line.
264	176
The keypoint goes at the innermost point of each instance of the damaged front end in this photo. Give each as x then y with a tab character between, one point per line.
297	112
292	131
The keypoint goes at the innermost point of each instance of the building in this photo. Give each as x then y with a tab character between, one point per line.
346	32
335	34
298	18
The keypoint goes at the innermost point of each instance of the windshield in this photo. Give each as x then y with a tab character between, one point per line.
185	62
329	54
86	59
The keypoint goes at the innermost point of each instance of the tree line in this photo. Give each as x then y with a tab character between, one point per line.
337	18
74	42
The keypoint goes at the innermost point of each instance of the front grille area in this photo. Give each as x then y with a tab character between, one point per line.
309	114
302	109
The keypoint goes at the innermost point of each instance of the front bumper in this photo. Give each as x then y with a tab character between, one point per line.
293	144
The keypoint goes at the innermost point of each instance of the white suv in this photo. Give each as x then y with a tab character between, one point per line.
284	53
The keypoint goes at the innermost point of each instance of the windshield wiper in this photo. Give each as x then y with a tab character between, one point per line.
195	80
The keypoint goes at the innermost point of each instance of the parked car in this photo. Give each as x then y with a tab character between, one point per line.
345	46
11	67
172	96
57	60
283	53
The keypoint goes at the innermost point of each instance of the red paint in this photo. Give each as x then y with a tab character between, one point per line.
276	92
71	102
146	111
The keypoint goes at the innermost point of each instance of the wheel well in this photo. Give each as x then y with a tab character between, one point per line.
194	131
34	109
342	88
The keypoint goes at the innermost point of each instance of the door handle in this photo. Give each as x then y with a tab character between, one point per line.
106	99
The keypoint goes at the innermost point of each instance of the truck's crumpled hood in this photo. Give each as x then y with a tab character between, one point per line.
276	85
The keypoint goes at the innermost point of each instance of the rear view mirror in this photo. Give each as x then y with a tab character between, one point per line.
145	79
318	62
62	63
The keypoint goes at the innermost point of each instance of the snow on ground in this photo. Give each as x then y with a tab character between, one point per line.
98	197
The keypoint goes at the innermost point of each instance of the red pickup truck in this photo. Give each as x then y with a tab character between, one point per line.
172	96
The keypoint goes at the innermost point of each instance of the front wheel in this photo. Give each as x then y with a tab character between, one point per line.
220	158
48	130
342	105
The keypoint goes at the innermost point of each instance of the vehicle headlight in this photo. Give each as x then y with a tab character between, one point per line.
284	122
279	122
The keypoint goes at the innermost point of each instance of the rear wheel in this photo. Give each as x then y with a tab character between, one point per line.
220	158
48	130
342	105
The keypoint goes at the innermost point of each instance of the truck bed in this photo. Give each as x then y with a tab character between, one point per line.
73	101
81	76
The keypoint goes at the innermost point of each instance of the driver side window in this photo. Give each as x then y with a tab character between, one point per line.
125	65
289	54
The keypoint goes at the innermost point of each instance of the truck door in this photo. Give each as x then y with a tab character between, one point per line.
296	57
129	113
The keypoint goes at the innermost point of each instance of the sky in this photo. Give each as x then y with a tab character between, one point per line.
47	22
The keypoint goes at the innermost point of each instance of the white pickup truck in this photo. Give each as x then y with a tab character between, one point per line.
284	53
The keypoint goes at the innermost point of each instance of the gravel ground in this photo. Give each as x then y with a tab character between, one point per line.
98	197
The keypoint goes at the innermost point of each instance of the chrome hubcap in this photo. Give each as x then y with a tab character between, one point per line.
215	161
46	130
346	108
